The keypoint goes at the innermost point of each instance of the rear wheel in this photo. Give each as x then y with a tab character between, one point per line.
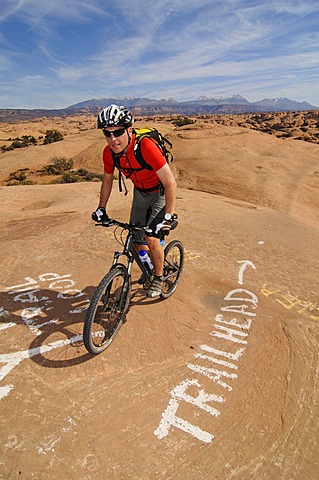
107	310
173	267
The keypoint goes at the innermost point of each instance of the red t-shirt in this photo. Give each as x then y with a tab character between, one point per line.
144	178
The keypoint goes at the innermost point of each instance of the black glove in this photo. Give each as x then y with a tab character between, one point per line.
100	215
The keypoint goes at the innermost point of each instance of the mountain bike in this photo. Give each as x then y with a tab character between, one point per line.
111	299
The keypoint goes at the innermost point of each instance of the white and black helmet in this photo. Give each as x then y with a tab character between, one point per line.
115	116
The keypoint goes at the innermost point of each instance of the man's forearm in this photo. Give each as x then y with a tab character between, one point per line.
170	199
106	189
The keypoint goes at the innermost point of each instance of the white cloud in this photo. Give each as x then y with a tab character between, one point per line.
178	48
32	11
5	62
294	7
71	74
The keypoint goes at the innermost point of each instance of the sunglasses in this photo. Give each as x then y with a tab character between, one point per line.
116	133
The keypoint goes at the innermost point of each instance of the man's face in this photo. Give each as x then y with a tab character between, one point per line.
117	138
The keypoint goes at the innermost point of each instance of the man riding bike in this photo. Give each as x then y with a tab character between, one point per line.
154	190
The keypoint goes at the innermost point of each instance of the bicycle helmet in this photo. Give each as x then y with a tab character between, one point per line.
115	116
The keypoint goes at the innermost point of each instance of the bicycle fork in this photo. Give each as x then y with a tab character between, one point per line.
126	287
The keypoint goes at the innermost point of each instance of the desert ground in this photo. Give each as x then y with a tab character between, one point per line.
218	382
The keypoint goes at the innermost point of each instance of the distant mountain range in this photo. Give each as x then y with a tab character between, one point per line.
234	104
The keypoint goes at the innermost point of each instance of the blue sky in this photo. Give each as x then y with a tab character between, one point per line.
54	53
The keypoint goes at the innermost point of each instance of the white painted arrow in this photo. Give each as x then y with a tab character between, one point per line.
245	264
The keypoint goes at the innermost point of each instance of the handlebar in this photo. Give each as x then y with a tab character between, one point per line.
136	227
127	226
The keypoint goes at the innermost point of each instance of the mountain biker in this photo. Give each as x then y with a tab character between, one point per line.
154	190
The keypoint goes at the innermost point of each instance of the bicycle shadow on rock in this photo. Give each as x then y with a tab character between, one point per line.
55	321
59	343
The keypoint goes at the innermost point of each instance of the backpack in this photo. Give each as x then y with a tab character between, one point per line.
140	133
158	139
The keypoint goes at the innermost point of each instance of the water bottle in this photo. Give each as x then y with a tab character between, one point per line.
146	259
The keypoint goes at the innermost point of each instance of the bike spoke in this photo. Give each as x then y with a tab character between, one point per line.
106	312
173	265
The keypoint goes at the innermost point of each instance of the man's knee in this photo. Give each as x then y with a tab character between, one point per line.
152	241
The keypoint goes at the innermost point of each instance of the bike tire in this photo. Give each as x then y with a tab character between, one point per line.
173	266
107	310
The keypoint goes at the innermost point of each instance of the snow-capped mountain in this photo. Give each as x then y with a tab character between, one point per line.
202	104
223	100
234	104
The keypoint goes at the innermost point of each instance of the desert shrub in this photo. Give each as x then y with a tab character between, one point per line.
52	136
181	121
58	166
29	139
28	182
69	177
63	166
4	148
18	144
81	175
88	176
82	171
12	183
93	176
22	142
19	175
287	135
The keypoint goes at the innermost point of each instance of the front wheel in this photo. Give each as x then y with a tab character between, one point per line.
173	267
107	310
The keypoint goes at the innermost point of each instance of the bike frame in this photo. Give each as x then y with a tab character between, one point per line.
130	253
129	250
